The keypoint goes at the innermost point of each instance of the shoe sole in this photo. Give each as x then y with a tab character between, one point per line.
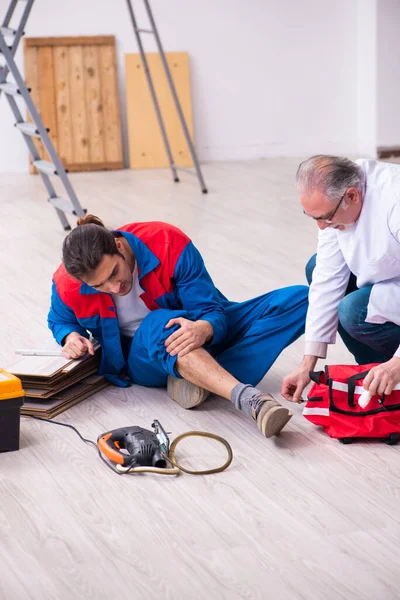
273	420
186	394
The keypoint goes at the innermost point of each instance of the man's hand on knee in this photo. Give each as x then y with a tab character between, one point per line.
189	336
383	378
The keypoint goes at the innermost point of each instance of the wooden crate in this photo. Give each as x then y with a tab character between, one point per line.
146	147
74	87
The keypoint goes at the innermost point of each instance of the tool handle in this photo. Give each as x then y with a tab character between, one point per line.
109	445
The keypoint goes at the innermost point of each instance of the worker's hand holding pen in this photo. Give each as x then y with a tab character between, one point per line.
76	345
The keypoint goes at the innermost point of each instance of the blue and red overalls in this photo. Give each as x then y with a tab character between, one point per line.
248	336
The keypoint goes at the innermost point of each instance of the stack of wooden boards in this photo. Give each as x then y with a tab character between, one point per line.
54	384
73	83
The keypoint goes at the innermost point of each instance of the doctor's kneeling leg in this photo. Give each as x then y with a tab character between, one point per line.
367	342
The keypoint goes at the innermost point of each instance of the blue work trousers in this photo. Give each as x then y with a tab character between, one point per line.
258	330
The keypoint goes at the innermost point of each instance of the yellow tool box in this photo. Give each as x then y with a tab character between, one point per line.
11	400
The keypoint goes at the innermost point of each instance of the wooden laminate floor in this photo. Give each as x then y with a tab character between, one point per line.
296	517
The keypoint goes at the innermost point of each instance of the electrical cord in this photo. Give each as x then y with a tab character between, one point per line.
176	468
212	436
109	465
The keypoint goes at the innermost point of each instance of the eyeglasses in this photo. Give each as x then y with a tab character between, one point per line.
329	218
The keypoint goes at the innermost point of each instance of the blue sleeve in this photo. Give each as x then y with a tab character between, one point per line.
198	293
61	319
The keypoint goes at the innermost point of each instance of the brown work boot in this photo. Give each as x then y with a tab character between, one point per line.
184	393
270	416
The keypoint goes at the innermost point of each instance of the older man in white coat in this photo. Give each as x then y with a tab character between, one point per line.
355	276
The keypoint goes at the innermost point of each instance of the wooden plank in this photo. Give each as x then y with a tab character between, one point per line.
99	166
80	132
146	146
32	81
109	90
94	104
47	93
89	40
63	104
80	103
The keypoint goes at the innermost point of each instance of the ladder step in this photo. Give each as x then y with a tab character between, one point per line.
46	167
10	88
63	205
7	32
28	129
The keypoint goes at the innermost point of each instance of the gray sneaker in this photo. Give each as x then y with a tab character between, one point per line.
270	416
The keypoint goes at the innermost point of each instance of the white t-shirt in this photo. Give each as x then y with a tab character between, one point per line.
131	310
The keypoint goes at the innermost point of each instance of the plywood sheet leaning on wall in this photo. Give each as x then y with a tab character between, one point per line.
74	86
146	147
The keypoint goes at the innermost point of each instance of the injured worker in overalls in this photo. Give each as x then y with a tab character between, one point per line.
144	293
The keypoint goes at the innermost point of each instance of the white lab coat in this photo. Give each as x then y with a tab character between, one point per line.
370	250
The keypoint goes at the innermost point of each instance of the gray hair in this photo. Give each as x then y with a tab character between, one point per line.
331	175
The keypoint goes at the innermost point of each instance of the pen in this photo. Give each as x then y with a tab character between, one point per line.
41	353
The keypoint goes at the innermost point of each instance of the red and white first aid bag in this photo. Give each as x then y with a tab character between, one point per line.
332	403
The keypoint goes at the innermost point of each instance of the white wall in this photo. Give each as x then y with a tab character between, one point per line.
388	61
367	77
269	77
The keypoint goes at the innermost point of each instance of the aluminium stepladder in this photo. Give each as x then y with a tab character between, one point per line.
38	130
153	31
9	40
